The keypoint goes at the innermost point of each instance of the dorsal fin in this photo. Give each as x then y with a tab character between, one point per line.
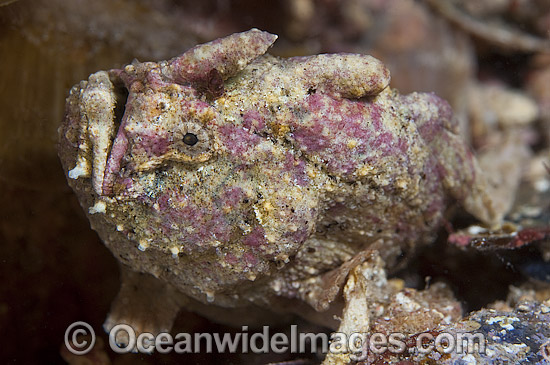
227	55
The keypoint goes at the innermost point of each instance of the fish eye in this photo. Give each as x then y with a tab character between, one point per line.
190	139
191	143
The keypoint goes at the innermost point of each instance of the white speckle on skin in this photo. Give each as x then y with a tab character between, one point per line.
143	244
82	168
258	215
175	251
99	207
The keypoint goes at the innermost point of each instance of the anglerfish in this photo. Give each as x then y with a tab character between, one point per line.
227	179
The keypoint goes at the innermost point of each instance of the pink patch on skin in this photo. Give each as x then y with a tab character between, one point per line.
255	238
124	185
299	236
250	259
237	140
154	145
300	174
209	223
219	227
441	172
383	141
311	137
232	197
297	168
376	116
345	120
155	80
163	201
402	145
253	121
231	259
191	108
431	130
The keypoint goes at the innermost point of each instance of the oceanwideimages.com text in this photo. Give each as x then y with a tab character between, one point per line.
80	339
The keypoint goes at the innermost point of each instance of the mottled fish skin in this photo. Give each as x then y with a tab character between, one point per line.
236	176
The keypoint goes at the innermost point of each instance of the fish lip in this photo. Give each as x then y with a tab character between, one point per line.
116	154
115	142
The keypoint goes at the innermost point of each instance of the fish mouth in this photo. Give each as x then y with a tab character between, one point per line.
117	141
